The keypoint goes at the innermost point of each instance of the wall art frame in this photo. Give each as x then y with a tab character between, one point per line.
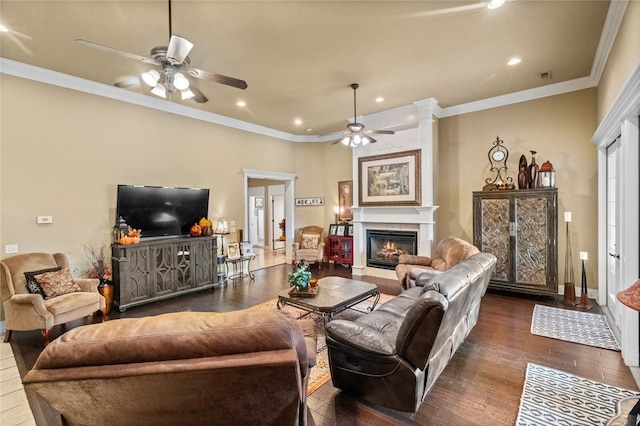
390	179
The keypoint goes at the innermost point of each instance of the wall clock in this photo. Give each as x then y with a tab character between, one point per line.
498	156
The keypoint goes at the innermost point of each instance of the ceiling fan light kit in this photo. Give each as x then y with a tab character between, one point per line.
174	60
356	134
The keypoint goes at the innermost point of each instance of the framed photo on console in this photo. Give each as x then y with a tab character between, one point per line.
233	251
340	230
349	231
390	179
246	248
332	229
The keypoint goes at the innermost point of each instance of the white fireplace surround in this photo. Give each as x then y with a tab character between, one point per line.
419	219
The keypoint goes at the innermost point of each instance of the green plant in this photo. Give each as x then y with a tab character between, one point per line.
300	277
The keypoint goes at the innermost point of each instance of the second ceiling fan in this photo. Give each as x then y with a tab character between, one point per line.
175	63
356	134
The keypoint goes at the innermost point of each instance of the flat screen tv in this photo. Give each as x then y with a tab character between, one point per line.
162	211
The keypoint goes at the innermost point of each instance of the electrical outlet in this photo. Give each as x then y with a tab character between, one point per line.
45	219
11	248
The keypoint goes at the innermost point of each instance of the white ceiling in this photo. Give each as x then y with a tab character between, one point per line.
299	57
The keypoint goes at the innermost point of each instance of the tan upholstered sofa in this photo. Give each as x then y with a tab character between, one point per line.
448	253
186	368
27	311
309	246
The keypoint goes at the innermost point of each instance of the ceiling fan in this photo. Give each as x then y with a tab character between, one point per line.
356	134
174	61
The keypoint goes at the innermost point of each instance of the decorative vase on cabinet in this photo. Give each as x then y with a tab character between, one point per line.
520	228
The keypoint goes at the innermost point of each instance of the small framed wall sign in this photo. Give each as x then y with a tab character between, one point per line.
313	201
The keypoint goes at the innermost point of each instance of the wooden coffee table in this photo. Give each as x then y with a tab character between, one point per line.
335	294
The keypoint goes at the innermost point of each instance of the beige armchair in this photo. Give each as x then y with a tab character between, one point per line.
26	311
309	246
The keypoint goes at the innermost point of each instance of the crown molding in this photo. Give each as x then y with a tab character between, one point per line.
42	75
608	37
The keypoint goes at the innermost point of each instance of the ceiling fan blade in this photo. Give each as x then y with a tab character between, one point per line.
178	49
372	140
115	51
382	132
132	81
198	97
217	78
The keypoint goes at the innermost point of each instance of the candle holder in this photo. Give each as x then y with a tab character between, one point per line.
569	280
584	298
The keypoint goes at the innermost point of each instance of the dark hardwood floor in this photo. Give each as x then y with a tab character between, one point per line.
480	386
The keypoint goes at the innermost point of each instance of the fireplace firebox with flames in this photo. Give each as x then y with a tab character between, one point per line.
385	247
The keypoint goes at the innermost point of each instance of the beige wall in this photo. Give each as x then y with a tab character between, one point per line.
64	152
559	128
624	56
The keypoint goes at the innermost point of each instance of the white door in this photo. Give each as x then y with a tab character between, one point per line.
614	284
256	216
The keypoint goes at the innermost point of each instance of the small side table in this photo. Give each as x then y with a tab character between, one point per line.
236	267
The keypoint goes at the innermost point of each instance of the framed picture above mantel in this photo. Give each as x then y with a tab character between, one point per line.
390	179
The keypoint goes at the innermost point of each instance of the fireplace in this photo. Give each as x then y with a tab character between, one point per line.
384	247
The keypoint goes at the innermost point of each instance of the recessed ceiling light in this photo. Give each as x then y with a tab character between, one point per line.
241	103
297	122
309	129
3	29
379	99
494	4
514	61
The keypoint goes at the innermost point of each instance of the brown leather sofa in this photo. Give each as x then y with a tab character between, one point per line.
393	355
449	252
187	368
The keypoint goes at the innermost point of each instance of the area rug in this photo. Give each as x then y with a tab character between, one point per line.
573	326
320	374
554	397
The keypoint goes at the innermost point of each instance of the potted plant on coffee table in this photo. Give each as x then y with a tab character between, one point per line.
299	279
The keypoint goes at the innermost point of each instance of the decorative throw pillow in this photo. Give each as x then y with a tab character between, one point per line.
32	285
309	241
57	283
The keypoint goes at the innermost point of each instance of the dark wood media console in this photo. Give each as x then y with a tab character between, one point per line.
158	269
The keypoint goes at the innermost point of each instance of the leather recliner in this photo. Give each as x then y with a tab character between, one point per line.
393	355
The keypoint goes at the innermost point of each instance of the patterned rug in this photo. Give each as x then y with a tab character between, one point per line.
320	374
553	397
573	326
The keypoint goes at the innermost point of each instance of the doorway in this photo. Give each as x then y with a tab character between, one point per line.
285	184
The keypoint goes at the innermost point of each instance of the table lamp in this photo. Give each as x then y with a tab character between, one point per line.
222	229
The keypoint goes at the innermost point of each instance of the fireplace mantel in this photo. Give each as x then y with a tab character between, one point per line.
401	218
418	218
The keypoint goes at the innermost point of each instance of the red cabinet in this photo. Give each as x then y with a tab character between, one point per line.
340	250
